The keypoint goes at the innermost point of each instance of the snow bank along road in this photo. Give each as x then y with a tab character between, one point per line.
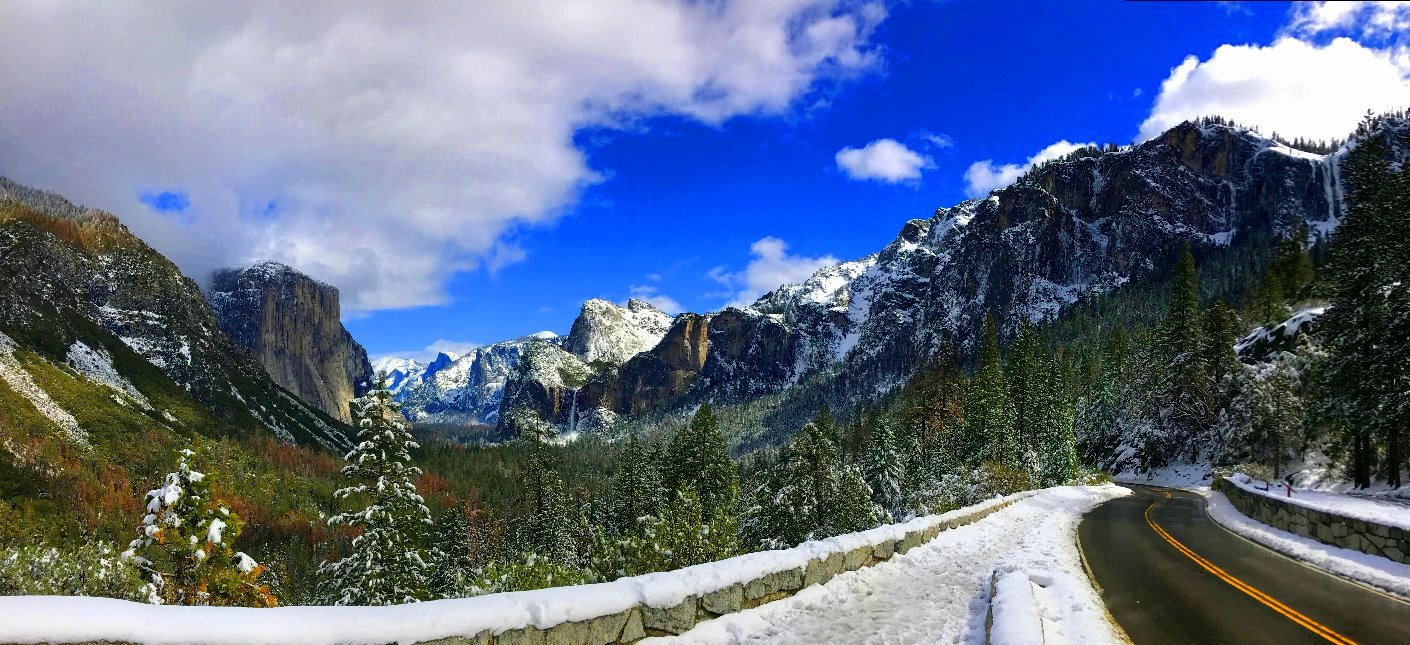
1169	574
939	591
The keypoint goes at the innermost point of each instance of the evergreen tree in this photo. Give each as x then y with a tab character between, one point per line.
683	536
808	494
1030	392
1277	411
1100	408
637	491
1054	421
454	567
547	530
387	564
884	467
698	459
184	545
1366	267
1185	393
989	414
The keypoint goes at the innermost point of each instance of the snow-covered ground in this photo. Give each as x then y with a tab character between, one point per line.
1362	508
1362	567
939	591
1177	476
80	619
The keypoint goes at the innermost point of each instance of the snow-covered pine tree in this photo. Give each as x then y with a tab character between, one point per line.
547	530
184	545
884	467
387	564
453	566
808	493
989	415
637	491
1056	442
1277	410
1031	384
698	458
1185	395
1366	272
1100	407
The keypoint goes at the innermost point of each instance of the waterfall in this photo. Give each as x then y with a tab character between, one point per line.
573	415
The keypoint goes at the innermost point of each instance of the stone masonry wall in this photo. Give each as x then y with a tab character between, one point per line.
1328	528
642	621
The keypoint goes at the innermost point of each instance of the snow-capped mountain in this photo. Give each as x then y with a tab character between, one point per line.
1068	230
607	333
457	388
468	389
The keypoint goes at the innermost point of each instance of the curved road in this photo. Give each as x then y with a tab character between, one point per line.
1169	574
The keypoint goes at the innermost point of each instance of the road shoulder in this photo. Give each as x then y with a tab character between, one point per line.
1372	572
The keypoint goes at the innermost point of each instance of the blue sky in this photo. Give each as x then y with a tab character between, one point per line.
681	197
468	172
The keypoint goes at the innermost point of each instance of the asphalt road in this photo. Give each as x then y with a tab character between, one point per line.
1169	574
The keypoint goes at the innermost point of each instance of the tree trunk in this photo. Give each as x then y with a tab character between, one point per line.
1362	458
1393	455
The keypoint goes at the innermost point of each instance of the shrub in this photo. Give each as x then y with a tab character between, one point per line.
91	569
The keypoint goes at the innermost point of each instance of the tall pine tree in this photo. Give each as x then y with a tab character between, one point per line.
989	414
387	564
698	459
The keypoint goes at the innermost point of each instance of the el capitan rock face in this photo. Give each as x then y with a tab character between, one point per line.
291	324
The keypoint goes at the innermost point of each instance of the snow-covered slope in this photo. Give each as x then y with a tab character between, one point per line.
608	333
459	389
79	289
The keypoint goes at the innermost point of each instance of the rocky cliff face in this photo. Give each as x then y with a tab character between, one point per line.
606	333
74	281
291	324
1065	232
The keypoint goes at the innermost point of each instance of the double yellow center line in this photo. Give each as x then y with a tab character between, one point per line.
1272	603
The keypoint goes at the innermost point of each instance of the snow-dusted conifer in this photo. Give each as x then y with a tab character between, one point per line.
884	467
989	413
387	564
637	490
699	459
184	545
453	567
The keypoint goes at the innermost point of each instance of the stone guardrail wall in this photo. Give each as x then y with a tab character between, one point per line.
642	621
1328	528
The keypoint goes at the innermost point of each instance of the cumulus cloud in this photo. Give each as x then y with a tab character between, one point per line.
381	147
1292	87
884	160
770	268
649	293
985	176
456	348
1365	20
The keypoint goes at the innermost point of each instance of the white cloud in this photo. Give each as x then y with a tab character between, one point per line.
984	176
884	160
1367	20
1291	87
649	293
381	147
771	267
456	348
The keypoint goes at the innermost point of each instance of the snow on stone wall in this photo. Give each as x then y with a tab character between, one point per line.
1358	534
621	611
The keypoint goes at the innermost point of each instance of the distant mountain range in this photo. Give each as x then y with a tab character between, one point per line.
264	346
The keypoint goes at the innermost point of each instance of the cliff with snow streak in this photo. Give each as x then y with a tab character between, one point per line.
1065	232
